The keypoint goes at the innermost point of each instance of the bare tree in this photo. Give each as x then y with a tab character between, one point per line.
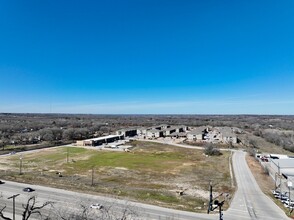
108	212
31	208
3	143
2	215
253	143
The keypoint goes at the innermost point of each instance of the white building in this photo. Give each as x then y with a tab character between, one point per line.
100	140
154	133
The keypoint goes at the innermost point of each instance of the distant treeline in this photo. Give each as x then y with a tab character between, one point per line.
18	129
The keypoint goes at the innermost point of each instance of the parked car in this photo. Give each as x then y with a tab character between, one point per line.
264	159
289	206
28	189
96	206
280	195
275	192
288	202
283	197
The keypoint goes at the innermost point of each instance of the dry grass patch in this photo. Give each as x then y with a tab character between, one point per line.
151	172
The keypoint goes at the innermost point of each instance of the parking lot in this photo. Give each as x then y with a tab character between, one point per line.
282	185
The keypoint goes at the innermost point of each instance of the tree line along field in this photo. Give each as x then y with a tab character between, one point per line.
152	173
19	132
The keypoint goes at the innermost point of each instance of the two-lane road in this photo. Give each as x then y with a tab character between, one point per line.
69	202
249	201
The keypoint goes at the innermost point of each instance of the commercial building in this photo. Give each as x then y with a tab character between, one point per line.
100	140
284	167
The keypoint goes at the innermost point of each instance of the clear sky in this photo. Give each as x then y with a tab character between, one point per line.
147	56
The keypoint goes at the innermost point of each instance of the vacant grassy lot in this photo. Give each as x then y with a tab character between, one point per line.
153	173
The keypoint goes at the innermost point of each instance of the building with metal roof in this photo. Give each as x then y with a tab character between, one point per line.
284	167
100	140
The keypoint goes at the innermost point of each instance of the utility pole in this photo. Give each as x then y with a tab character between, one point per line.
220	205
210	198
20	165
290	202
92	176
216	203
276	181
13	198
280	180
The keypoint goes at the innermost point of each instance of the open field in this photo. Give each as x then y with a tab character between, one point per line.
152	173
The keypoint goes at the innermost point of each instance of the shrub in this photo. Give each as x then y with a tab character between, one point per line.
211	150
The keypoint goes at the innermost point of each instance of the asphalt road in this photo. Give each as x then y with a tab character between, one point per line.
248	203
69	202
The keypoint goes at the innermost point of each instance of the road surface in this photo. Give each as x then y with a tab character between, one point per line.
249	201
68	201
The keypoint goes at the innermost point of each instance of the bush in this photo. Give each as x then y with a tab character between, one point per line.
251	151
211	150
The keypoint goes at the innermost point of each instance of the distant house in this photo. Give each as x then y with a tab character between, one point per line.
168	131
227	135
164	126
197	134
179	134
180	128
154	133
141	131
213	135
131	132
158	127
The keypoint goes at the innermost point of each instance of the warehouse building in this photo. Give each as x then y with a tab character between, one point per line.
284	167
100	140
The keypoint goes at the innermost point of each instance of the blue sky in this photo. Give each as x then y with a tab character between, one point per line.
147	57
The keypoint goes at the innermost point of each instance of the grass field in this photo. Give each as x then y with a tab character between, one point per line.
151	173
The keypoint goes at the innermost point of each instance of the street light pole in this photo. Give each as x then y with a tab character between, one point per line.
13	198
